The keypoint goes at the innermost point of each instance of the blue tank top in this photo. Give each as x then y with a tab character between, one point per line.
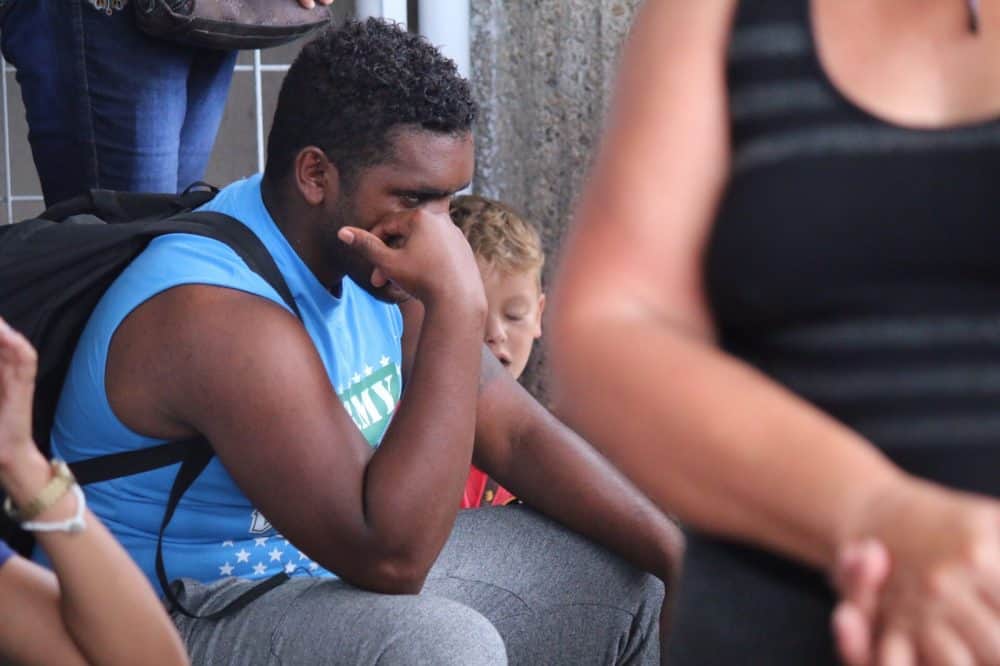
5	552
216	531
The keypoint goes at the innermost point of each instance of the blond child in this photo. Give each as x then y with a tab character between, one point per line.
508	251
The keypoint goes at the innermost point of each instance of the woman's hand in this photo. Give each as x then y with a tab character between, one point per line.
940	603
18	362
861	571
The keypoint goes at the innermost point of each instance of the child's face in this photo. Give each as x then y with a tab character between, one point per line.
514	316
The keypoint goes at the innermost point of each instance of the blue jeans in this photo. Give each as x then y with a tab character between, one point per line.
109	107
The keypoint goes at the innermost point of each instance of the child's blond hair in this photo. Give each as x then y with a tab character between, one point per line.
498	235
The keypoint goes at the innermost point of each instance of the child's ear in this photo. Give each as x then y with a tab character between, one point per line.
538	322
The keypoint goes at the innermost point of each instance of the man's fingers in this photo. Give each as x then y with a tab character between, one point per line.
308	4
364	243
372	248
852	633
379	279
393	227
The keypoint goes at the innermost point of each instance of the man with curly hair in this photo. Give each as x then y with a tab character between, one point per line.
342	440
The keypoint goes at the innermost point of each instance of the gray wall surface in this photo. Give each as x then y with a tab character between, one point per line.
542	71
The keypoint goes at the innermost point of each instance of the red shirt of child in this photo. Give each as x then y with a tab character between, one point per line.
481	490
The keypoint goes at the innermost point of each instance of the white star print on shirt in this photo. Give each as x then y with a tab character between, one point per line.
226	569
289	568
276	555
384	361
243	555
260	542
259	568
228	544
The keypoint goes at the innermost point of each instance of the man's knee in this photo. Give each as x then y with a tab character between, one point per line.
445	632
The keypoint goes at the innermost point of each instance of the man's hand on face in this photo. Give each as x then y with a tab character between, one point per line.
423	253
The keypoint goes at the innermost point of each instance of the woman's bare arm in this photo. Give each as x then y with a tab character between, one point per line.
637	371
97	607
631	312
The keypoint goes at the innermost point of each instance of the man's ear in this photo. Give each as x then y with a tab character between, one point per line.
316	177
541	309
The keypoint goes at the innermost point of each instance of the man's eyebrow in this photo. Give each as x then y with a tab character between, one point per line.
429	193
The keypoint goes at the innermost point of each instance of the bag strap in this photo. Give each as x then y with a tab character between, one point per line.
115	206
195	453
244	242
194	464
127	463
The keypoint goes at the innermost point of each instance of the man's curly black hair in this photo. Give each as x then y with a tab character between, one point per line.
349	88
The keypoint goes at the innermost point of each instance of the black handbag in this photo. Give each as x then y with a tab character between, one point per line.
229	24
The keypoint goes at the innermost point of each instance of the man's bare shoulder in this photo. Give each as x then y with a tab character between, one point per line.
194	345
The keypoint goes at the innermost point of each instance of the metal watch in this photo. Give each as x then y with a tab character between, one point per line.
61	482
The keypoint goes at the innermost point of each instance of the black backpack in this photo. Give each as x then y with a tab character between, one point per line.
53	271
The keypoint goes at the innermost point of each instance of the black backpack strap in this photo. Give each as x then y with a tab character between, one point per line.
127	463
242	240
194	454
194	463
115	207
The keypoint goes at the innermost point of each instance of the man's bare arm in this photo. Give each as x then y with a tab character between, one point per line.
243	372
544	463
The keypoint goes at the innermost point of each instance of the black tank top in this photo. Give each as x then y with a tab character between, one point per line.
858	262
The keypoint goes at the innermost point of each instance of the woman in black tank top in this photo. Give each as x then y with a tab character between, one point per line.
779	314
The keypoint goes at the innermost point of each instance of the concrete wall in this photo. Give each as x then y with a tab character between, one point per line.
542	71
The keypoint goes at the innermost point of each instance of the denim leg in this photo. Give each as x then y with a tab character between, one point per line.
137	90
44	42
106	105
208	87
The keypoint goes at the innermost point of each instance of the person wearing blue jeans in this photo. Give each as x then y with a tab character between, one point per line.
107	106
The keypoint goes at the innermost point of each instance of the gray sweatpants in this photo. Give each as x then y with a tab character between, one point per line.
509	587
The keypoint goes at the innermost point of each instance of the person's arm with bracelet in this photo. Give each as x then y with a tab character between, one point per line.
96	607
